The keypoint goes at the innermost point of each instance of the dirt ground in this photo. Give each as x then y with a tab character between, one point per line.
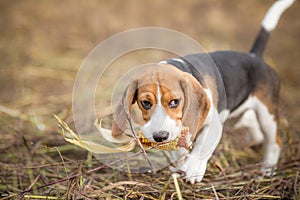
42	45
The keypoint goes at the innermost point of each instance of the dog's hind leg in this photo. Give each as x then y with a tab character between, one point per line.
272	144
249	121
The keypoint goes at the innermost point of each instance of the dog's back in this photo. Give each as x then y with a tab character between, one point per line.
243	74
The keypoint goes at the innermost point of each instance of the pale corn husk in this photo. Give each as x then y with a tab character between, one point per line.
70	136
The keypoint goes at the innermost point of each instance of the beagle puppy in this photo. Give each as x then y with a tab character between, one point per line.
201	91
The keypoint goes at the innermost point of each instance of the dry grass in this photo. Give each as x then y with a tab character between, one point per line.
43	43
32	170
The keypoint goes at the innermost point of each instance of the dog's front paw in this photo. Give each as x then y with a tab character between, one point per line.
194	169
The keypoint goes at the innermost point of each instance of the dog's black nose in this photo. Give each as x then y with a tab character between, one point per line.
160	136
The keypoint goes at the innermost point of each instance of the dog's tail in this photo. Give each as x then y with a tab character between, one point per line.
268	24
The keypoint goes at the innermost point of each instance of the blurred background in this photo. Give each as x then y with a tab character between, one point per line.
43	43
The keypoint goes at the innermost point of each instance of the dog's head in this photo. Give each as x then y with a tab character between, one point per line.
168	99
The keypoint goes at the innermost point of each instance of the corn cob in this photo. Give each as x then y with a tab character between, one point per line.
182	141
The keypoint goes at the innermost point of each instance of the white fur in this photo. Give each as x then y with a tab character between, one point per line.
161	121
250	122
271	18
207	141
248	104
195	164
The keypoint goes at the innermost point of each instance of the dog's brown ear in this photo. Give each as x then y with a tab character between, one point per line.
196	104
122	112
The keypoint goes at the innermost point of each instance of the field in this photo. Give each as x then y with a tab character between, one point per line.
43	44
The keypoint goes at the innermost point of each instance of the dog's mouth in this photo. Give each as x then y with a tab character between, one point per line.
182	141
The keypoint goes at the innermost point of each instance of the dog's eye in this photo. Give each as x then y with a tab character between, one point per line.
174	103
146	104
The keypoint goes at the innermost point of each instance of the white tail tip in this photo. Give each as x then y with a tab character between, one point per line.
272	17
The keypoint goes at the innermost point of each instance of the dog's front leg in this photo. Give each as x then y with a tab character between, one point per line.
195	164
